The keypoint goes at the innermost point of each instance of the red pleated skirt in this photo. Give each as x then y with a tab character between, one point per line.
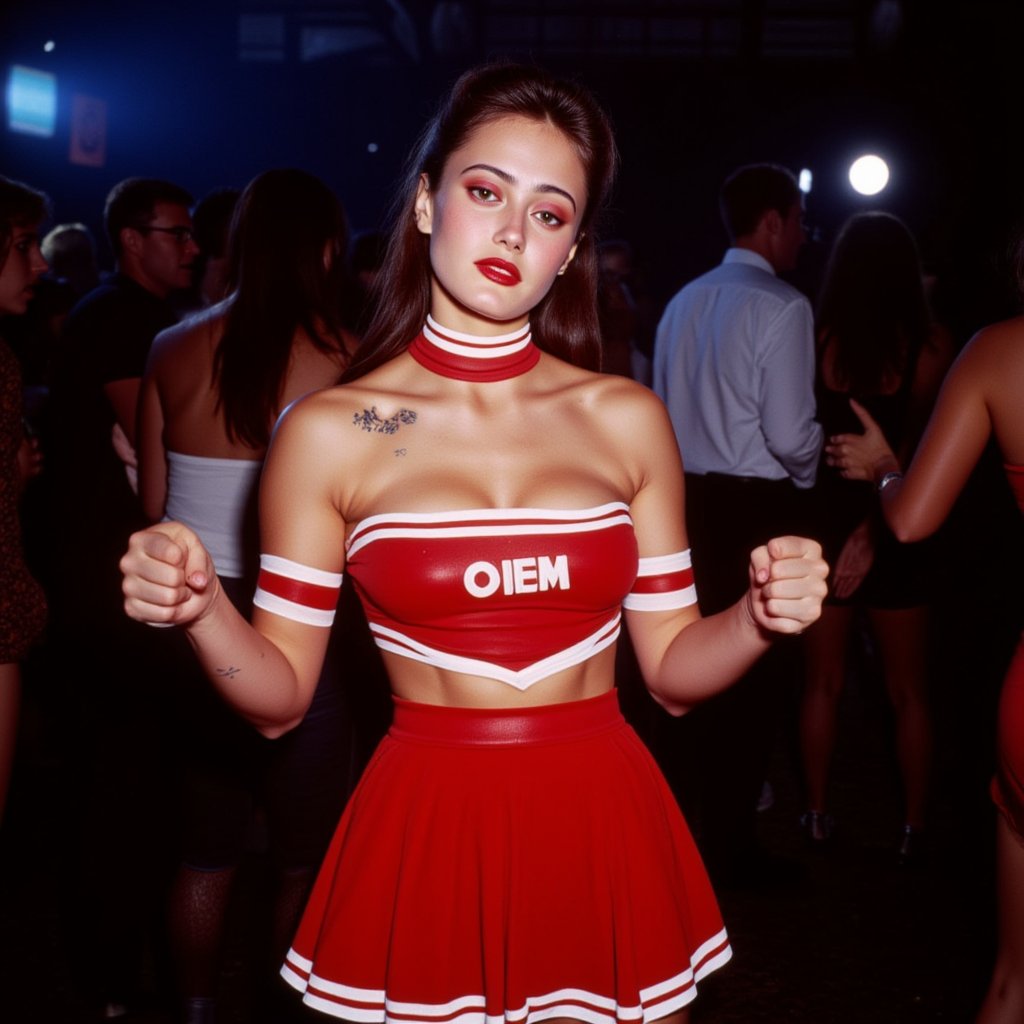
509	865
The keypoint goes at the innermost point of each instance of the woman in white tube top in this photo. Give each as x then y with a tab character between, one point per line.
212	391
511	853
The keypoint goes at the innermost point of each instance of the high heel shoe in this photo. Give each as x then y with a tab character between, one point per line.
817	826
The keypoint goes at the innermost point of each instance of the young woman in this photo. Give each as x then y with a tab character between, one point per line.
981	398
22	604
875	344
276	337
511	850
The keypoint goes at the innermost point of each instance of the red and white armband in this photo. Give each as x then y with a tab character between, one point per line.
663	583
295	591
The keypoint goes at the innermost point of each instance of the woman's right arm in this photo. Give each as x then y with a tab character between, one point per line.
915	506
268	670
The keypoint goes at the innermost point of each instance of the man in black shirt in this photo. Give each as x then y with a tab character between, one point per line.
120	695
106	342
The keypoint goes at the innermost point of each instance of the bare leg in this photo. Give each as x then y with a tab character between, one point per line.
1004	1002
826	646
10	702
902	640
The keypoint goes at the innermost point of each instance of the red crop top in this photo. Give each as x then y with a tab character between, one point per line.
510	594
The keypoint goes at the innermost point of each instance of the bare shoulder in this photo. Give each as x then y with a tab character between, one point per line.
346	424
1000	344
184	340
623	402
370	403
631	421
321	414
991	364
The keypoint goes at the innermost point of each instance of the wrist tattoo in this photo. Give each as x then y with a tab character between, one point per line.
370	420
228	673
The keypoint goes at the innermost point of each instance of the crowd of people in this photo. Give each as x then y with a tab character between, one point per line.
417	478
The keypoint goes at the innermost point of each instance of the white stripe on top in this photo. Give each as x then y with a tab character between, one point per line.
477	522
475	346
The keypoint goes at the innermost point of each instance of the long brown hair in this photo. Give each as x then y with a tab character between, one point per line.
564	323
872	303
282	224
20	206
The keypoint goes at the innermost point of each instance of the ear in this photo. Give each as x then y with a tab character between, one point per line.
131	241
568	259
328	255
772	220
423	207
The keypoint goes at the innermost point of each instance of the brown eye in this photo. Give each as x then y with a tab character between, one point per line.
549	219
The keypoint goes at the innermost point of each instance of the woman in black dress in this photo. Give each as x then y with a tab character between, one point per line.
876	345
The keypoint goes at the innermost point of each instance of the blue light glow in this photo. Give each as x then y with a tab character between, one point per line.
31	101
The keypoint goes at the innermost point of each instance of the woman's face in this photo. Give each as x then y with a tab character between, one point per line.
503	222
20	271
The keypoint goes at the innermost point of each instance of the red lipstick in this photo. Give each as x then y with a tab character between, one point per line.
499	271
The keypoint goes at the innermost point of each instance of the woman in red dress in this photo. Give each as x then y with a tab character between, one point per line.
511	852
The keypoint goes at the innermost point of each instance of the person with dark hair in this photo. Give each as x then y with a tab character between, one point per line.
620	313
211	222
213	387
734	363
70	251
754	190
123	729
980	401
875	344
109	332
134	204
511	850
22	603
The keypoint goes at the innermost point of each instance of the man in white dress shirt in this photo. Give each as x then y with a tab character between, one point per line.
734	364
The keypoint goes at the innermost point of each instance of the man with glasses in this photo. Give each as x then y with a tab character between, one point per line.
120	694
150	231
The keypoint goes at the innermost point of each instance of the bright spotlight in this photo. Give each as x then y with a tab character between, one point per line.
869	174
805	181
372	147
49	46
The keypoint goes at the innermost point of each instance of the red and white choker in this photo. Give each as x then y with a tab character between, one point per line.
472	357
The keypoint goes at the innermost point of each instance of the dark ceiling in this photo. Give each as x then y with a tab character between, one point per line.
212	93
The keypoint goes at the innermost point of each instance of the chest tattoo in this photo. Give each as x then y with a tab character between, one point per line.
370	421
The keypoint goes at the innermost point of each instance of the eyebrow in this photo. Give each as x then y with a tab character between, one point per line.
511	180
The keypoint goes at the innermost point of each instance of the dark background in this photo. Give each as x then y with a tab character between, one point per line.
201	93
194	93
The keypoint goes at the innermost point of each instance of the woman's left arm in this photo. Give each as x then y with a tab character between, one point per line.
685	658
